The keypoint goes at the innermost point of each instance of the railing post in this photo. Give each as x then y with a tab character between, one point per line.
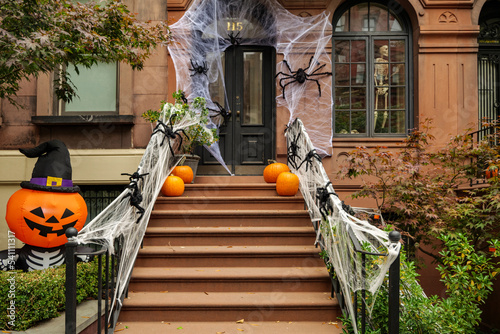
394	273
70	315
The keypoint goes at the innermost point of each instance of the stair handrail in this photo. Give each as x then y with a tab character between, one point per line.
121	226
345	241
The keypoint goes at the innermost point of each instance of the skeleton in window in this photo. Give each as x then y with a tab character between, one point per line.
381	77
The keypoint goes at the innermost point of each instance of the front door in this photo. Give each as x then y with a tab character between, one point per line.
247	137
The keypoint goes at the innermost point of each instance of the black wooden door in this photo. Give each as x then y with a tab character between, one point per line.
247	139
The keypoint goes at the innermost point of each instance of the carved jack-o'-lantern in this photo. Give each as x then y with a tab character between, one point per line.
40	218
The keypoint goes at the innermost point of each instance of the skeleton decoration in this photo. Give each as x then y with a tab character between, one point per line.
209	27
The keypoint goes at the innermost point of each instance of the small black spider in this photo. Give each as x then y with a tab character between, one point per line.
198	69
221	116
301	75
168	131
292	151
234	39
309	159
135	194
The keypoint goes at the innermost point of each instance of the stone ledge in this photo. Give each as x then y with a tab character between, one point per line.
86	315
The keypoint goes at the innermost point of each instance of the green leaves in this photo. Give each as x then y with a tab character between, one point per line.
37	36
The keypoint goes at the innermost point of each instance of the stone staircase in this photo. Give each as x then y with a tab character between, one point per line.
229	256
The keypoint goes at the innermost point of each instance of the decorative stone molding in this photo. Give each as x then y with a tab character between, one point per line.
301	4
447	3
178	4
448	17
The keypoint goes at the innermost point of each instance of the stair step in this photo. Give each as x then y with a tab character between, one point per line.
229	218
229	236
234	279
231	327
238	190
188	202
229	256
229	306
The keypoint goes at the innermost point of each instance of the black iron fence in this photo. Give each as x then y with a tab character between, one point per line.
106	280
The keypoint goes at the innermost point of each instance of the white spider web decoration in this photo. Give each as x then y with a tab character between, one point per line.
209	27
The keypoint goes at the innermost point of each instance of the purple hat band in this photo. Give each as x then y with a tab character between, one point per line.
51	181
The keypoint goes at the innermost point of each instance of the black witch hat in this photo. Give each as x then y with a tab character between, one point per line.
52	170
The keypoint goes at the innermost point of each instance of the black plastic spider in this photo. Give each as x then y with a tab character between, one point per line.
293	150
198	69
135	195
301	75
234	39
309	159
169	132
221	116
324	203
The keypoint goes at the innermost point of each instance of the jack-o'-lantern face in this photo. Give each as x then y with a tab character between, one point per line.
40	218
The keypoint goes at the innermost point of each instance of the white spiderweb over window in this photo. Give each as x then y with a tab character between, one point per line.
209	27
336	228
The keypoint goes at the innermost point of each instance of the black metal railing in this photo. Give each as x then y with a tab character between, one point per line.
491	136
105	288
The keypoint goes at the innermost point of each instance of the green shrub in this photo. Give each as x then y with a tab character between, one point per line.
39	295
468	276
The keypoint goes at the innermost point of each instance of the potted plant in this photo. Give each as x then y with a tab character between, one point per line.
197	134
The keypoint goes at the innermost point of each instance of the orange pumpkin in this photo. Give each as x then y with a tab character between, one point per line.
287	184
184	172
173	186
40	218
492	171
272	171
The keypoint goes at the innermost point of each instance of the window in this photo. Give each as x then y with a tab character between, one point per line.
96	89
371	65
489	62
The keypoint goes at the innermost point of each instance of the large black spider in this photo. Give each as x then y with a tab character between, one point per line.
301	75
234	39
168	131
221	116
324	203
198	69
292	151
135	195
309	159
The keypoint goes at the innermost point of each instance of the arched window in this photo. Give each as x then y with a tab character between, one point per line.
371	52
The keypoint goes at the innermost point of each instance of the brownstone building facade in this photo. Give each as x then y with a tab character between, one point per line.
394	64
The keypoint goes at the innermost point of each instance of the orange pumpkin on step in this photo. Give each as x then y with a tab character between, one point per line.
40	218
272	171
287	184
184	172
173	186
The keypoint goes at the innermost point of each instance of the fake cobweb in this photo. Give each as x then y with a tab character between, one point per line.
125	223
337	226
209	27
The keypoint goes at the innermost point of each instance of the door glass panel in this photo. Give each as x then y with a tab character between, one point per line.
252	86
216	88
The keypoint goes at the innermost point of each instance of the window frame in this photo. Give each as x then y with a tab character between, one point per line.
371	37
